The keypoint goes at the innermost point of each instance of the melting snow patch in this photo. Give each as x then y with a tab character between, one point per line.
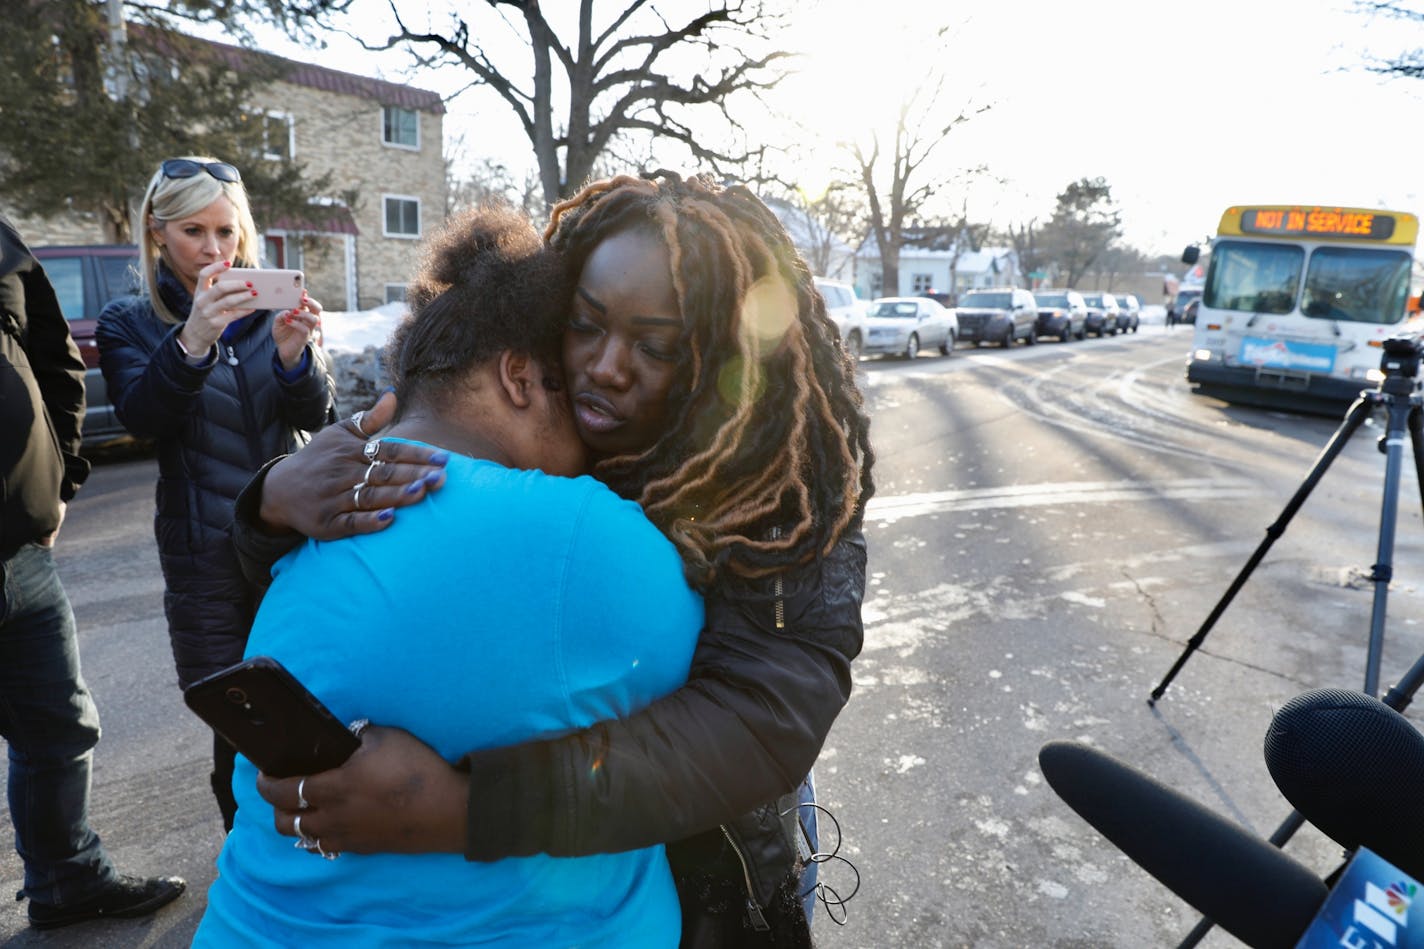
893	636
907	762
993	828
1090	874
1052	890
1073	596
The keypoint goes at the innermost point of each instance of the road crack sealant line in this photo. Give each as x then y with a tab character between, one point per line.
1158	620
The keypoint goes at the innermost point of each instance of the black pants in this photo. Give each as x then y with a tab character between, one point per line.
224	758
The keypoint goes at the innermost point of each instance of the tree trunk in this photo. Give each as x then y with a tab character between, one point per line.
890	269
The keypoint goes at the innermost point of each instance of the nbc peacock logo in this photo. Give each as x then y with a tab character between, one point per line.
1399	896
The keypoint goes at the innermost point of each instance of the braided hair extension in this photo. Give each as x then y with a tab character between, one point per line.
766	461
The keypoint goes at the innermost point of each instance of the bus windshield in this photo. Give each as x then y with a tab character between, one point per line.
1359	284
1253	278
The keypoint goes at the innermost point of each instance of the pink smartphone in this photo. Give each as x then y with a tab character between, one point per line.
276	289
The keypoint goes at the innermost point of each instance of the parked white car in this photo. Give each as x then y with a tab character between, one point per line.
905	325
846	310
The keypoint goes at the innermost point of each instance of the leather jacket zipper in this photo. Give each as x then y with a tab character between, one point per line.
754	912
779	607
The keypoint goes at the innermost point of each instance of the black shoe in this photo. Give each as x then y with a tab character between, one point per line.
125	898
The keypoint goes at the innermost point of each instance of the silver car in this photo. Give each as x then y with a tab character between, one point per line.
905	325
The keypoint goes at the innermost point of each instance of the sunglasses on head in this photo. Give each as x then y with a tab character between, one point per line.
187	168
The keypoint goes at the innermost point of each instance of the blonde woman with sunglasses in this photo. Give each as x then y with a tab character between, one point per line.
221	388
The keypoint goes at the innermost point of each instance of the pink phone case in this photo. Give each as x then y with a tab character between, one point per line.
276	289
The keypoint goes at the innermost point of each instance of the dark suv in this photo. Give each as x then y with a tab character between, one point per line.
998	315
85	278
1102	315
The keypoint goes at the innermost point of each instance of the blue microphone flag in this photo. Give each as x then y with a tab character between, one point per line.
1373	906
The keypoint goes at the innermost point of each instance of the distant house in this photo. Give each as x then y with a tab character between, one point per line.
380	140
932	260
825	253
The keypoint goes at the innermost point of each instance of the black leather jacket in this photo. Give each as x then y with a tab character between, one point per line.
745	729
760	699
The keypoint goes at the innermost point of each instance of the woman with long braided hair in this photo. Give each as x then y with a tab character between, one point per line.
710	387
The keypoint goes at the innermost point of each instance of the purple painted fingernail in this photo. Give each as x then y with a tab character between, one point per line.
414	486
385	515
439	457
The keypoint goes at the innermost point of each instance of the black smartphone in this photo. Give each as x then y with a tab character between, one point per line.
265	713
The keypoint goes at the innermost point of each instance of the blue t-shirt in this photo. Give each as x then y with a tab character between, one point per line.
508	606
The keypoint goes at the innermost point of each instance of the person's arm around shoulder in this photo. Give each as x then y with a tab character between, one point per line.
747	727
310	493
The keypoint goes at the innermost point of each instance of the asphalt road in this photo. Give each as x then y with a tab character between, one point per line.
1052	523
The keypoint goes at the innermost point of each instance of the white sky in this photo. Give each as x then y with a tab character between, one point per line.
1185	108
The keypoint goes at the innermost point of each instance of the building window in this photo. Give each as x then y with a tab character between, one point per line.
877	280
395	293
923	283
276	136
400	127
402	216
282	250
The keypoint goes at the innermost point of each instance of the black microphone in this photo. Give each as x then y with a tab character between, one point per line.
1353	767
1237	880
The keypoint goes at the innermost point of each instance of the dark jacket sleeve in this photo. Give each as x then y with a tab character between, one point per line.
747	727
59	371
256	549
152	390
308	403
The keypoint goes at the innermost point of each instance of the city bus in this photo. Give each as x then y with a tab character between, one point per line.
1297	303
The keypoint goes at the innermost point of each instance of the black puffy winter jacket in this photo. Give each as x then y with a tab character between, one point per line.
215	426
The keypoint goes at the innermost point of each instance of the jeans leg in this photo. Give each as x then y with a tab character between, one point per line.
51	724
806	795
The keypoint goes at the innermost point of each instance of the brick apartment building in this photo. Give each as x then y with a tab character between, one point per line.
379	139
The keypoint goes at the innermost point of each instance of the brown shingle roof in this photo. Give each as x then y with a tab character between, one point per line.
321	77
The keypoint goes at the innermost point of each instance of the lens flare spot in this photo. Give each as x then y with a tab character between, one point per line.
738	386
767	313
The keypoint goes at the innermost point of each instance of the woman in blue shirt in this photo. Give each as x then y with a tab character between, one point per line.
492	615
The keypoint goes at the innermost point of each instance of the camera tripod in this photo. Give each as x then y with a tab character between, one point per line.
1398	394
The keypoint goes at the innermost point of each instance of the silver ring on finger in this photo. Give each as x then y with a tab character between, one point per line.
371	449
302	803
356	420
303	842
356	494
376	463
326	854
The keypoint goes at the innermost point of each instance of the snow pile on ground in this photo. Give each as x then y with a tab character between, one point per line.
353	331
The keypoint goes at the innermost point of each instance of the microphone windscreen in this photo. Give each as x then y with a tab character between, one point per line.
1353	767
1237	880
